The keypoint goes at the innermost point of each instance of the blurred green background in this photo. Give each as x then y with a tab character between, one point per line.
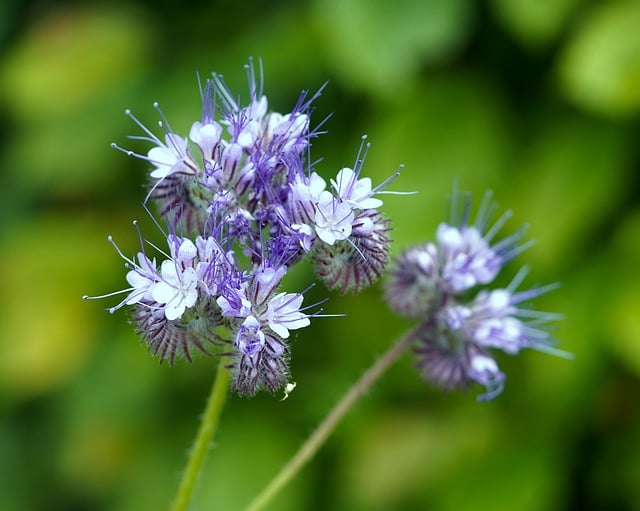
538	100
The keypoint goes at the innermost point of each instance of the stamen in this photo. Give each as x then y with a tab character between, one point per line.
143	127
357	249
165	122
453	203
510	242
533	293
108	295
551	350
220	87
154	220
486	209
466	210
251	78
499	224
362	155
380	188
158	249
110	240
538	317
517	280
128	152
153	189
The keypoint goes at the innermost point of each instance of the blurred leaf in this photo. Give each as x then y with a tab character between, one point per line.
256	449
519	476
13	480
401	454
109	420
542	384
64	81
621	316
569	177
536	23
620	323
451	128
61	158
46	330
625	241
599	69
378	46
70	57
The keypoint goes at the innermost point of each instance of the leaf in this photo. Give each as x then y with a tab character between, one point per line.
535	23
569	176
70	57
379	45
599	68
47	332
451	128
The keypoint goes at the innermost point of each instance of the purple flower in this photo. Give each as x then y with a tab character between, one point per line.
413	287
433	283
242	203
250	339
142	278
352	247
449	368
177	289
468	259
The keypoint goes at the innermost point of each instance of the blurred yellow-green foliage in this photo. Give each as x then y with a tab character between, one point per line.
538	100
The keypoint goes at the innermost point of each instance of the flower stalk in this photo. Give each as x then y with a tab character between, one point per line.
317	439
202	443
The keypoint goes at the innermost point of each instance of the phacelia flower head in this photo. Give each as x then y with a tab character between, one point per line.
445	286
242	203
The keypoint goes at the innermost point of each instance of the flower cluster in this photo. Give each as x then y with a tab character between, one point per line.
460	321
243	203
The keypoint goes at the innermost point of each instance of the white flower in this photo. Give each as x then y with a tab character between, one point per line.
333	220
171	158
283	314
141	278
206	136
354	191
178	289
304	195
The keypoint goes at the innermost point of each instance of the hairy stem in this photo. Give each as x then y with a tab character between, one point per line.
326	427
202	442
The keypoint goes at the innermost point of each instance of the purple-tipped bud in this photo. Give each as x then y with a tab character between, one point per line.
174	339
412	286
355	263
449	362
265	369
183	201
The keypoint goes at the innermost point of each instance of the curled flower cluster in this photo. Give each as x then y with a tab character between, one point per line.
443	285
247	203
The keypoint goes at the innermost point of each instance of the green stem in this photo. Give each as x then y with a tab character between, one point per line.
202	443
326	427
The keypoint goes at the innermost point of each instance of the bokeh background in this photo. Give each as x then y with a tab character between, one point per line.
537	100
